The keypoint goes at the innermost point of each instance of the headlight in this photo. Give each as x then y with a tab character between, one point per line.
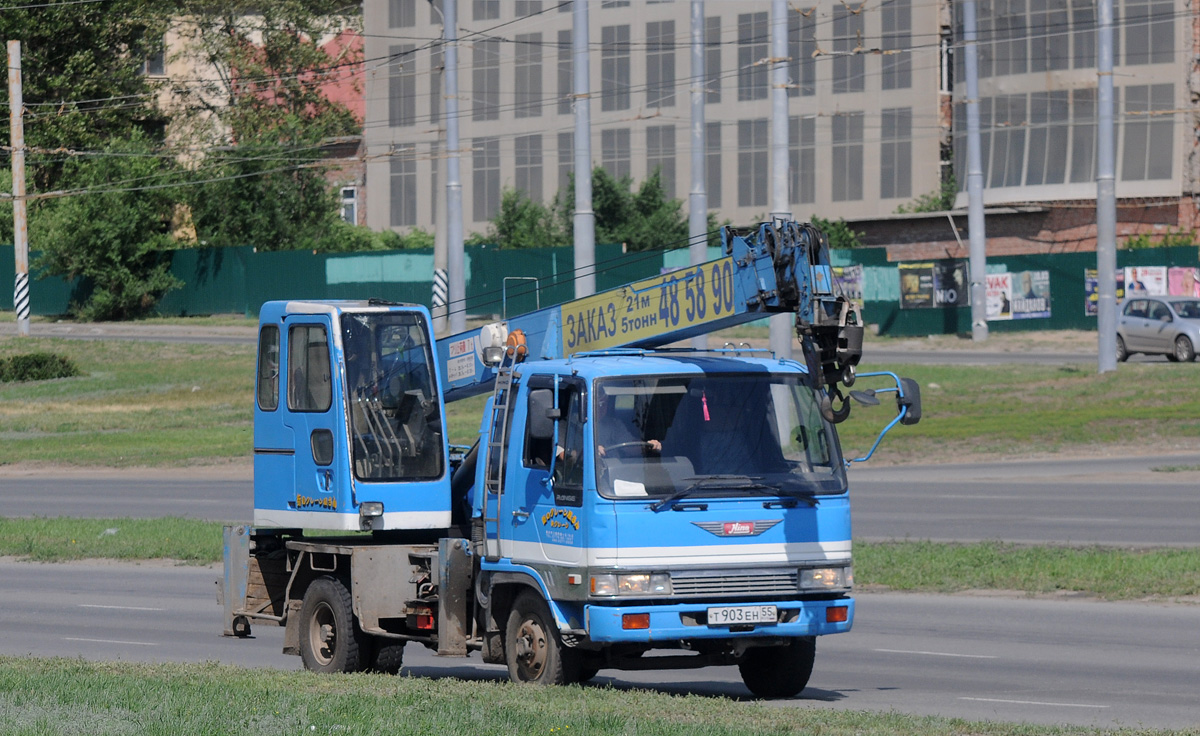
631	584
826	578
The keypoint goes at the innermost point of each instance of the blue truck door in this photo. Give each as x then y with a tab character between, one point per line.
313	416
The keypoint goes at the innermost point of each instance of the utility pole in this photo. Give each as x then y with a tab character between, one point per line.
20	213
698	197
782	327
976	231
585	217
1106	198
456	259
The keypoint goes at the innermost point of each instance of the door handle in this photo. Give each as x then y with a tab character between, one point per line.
520	515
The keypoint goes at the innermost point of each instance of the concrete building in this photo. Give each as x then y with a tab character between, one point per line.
872	96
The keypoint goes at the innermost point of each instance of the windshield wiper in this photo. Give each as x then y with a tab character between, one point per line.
714	482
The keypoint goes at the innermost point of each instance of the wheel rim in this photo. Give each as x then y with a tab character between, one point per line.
532	649
1181	350
322	633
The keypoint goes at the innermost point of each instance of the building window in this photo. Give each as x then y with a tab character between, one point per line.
485	10
849	66
614	68
1083	34
712	58
660	64
614	4
437	65
1149	31
435	159
528	170
1148	146
752	163
802	43
528	76
404	189
897	43
1008	140
402	13
350	205
1049	41
486	68
895	153
847	156
526	8
156	63
712	164
1049	129
566	161
1009	27
1083	134
402	86
752	48
566	76
615	153
660	155
802	160
486	194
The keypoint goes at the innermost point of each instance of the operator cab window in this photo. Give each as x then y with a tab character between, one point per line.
309	387
268	368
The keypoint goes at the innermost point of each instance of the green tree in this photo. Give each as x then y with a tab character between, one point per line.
115	234
523	223
939	200
840	234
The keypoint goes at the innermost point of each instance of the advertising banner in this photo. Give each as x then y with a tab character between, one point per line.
1031	294
916	285
999	297
951	284
1146	280
848	281
1091	290
1183	281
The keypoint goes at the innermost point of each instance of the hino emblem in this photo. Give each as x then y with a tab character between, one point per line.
737	528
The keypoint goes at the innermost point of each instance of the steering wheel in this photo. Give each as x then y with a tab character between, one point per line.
640	445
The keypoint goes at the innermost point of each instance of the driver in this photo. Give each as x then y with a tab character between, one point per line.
613	430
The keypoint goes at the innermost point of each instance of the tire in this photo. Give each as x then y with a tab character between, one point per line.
1122	353
330	640
779	672
532	648
1185	352
388	656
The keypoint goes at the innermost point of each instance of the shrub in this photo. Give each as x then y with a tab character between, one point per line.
36	367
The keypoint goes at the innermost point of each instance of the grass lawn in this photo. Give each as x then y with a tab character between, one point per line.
47	697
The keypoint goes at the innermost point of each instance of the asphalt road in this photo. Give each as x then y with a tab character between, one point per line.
1043	661
1117	501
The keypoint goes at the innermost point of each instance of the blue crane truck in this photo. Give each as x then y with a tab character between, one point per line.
621	497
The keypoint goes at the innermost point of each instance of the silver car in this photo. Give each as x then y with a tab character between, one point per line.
1159	325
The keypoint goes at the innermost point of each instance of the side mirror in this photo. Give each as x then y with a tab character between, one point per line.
911	400
542	414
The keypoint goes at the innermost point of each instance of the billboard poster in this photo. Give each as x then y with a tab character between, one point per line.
1183	281
1030	294
1091	290
916	285
950	284
848	281
999	296
1150	280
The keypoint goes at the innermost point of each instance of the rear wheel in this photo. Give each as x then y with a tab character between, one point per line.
330	640
779	672
388	656
1185	352
532	648
1122	353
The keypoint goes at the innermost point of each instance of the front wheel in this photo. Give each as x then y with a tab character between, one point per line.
1185	352
330	640
779	672
532	648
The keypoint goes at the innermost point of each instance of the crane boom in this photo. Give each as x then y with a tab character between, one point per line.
778	267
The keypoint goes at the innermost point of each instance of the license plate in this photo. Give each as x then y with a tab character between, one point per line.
734	615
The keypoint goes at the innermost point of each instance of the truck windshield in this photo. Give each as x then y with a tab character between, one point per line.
757	434
395	419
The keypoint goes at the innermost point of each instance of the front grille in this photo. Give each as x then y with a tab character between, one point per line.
715	584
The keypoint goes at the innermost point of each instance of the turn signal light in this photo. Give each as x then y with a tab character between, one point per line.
837	614
635	621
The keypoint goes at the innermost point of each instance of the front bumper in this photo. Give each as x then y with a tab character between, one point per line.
689	621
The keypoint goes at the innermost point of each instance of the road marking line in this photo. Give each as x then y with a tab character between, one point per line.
1037	702
937	654
120	608
112	641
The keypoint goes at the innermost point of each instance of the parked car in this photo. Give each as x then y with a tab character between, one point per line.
1159	325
